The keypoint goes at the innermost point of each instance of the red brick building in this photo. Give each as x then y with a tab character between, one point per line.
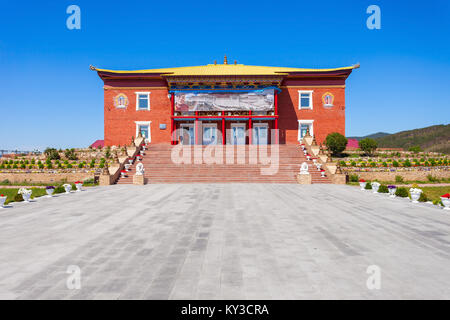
248	101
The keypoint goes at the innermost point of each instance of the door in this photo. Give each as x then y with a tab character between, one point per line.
209	133
259	133
237	133
187	134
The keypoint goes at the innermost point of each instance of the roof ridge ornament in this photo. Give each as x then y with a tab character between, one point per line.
91	67
225	60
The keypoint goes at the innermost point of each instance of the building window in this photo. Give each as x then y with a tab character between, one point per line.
303	126
142	100
305	100
144	128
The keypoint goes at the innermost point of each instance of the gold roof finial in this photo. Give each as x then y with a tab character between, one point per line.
215	62
225	60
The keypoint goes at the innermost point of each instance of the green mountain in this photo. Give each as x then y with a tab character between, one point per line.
432	139
372	136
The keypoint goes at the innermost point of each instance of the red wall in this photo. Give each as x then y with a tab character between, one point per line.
120	123
326	120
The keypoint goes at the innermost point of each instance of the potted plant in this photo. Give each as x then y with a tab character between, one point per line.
2	200
78	184
392	189
375	186
26	194
130	161
49	190
415	193
67	187
308	157
362	184
123	173
446	201
127	167
322	173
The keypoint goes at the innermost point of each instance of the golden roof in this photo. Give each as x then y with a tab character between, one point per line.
223	70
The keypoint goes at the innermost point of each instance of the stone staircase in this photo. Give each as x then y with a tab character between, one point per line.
159	167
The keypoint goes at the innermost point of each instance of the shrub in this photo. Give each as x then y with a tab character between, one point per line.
70	154
108	152
415	149
49	166
2	166
432	179
60	189
383	189
30	167
69	166
368	145
354	178
101	165
23	166
402	192
353	163
33	161
399	179
395	163
52	154
18	198
343	163
407	163
336	142
41	166
423	197
15	166
80	165
368	186
384	164
8	166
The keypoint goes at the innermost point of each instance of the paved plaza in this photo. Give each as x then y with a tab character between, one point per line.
223	241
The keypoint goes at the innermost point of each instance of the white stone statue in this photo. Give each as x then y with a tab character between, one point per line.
140	169
304	168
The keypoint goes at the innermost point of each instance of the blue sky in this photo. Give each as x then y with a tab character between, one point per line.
51	98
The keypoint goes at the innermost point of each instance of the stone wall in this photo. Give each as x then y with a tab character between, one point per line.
407	175
45	177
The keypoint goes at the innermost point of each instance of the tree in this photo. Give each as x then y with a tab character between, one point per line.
336	142
368	145
415	149
70	154
51	154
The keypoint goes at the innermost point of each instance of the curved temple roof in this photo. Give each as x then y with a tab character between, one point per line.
224	70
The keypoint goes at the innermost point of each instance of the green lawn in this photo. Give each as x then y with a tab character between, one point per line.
435	193
11	193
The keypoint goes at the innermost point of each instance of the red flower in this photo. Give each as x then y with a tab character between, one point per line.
124	171
2	195
362	180
446	196
78	182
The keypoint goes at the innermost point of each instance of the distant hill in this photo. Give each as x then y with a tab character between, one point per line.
434	138
373	136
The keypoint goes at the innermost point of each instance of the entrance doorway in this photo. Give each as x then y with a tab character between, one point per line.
259	133
237	133
209	133
187	134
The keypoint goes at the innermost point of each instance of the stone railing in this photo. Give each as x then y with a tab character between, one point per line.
332	169
111	175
